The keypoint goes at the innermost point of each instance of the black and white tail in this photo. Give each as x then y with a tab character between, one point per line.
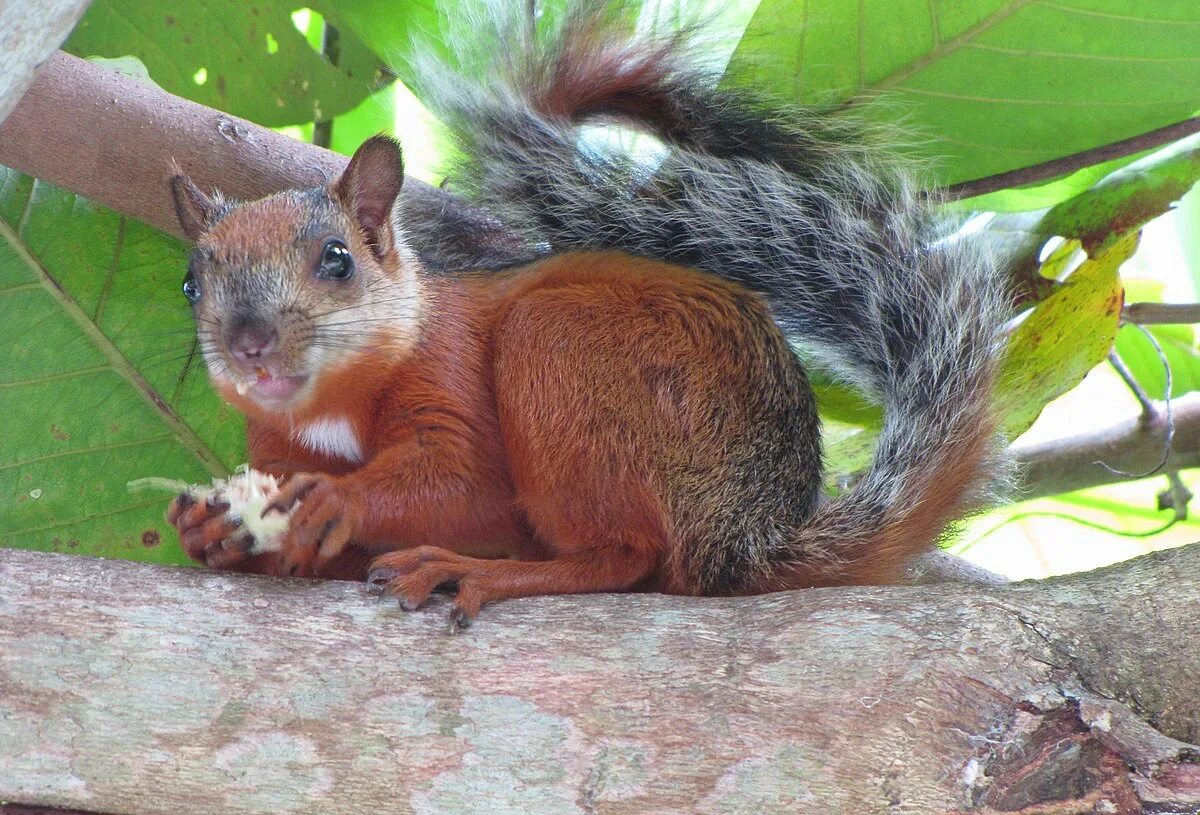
800	205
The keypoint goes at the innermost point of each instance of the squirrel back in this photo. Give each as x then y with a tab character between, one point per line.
801	205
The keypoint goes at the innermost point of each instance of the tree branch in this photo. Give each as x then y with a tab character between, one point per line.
1075	161
1161	313
114	140
1073	463
230	694
28	39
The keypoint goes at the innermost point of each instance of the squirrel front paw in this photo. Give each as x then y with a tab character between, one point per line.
207	532
325	518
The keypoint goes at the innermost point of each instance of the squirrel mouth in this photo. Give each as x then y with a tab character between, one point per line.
273	387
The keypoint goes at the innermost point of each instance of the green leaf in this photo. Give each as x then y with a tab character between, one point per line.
1178	343
1065	336
989	85
375	115
99	384
846	454
1121	202
844	404
248	60
388	29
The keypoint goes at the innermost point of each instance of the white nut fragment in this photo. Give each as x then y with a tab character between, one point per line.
247	492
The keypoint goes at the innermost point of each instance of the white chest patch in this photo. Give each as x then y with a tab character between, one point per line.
333	436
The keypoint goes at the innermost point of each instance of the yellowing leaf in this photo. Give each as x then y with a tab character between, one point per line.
1065	336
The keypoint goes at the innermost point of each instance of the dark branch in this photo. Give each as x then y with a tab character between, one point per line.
1161	313
331	47
1075	161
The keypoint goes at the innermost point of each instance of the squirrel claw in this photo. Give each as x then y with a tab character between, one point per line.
378	579
459	619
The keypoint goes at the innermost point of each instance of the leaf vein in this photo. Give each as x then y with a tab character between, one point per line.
942	49
86	518
117	360
1111	16
100	448
1001	100
1022	52
38	380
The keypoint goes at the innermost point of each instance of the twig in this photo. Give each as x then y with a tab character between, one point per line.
1061	465
1150	411
1075	519
1075	161
1176	496
1161	313
1139	393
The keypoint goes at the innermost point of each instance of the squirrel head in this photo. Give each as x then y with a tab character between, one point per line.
301	283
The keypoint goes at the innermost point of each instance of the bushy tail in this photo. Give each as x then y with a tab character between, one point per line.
800	205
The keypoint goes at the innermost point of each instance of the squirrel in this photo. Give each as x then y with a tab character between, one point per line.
626	412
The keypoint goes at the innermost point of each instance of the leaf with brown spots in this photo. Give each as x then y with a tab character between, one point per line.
1066	335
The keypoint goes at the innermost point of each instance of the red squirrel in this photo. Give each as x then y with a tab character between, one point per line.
626	412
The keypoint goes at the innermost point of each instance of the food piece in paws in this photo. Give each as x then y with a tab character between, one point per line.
247	493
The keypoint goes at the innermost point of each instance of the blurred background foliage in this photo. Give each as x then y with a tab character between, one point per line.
980	87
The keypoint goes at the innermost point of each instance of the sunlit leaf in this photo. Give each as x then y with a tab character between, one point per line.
1064	337
988	85
246	59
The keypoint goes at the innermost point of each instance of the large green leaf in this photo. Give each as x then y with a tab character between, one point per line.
388	29
990	85
244	58
98	383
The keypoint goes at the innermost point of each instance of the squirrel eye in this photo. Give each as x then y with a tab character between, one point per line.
191	288
336	262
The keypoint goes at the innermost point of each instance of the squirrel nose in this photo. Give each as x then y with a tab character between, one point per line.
251	343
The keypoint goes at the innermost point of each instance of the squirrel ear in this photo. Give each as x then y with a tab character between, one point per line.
370	184
195	210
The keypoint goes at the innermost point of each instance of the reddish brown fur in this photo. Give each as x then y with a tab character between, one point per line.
573	89
479	465
918	517
585	423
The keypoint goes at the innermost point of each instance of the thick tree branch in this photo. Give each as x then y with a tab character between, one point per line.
115	141
231	694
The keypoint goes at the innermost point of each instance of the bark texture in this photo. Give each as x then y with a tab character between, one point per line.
128	688
29	33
